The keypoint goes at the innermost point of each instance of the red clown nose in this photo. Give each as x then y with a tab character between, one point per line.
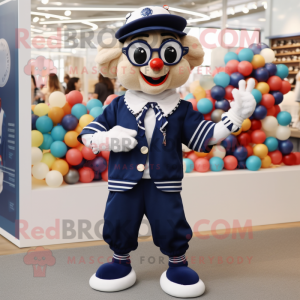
156	64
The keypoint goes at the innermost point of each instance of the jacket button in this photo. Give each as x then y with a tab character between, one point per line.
141	167
144	150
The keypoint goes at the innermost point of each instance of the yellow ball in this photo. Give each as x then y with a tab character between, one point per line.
199	93
258	61
266	162
260	150
71	139
36	138
85	120
246	125
61	166
200	154
78	129
41	109
238	132
263	87
48	159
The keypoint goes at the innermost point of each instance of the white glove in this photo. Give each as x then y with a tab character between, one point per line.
244	103
118	139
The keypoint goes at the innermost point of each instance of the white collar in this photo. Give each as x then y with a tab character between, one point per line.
167	101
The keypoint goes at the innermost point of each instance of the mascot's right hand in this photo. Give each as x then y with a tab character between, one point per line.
118	139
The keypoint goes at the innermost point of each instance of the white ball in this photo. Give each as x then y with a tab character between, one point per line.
185	148
269	123
57	99
268	54
184	167
283	132
40	170
54	179
270	133
218	151
36	155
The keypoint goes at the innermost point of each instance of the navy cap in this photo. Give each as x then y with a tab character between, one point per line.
151	18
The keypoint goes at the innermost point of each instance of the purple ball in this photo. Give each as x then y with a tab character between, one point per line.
256	48
285	147
97	176
217	92
240	153
69	122
278	97
230	144
261	74
235	78
272	69
222	104
264	46
99	164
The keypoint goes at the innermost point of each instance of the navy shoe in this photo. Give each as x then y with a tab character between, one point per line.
114	276
181	281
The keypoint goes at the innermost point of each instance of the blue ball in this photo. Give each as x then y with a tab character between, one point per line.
230	144
285	147
104	106
257	95
44	124
240	153
96	112
272	69
204	106
47	142
189	165
246	55
216	164
222	79
217	92
282	71
230	56
278	97
99	164
271	143
256	48
93	103
235	78
284	118
58	133
222	104
33	121
253	163
261	74
78	110
58	149
82	164
189	96
260	112
69	122
241	165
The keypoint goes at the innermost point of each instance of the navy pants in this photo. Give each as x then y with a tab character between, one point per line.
164	210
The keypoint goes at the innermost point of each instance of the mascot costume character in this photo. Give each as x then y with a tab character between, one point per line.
144	130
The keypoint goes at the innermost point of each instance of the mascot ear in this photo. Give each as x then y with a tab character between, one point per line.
108	57
196	53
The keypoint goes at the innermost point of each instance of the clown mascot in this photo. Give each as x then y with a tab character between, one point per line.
144	130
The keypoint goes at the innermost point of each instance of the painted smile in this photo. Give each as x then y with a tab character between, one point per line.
155	81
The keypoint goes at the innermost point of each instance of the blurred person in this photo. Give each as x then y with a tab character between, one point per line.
35	96
66	80
103	88
53	85
74	84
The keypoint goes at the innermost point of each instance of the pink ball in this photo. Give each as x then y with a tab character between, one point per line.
193	157
230	162
194	103
202	165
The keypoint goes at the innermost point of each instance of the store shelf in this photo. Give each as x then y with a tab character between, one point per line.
295	73
288	53
286	62
286	47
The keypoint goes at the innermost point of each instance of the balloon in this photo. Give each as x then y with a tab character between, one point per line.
36	155
278	96
258	61
217	151
271	111
230	162
284	118
257	95
105	154
67	109
267	101
249	150
269	123
290	159
44	124
275	83
71	139
255	124
54	179
96	112
258	137
110	98
244	139
222	105
36	138
216	115
104	175
285	147
93	103
228	92
268	54
272	69
235	78
246	125
261	74
277	110
245	68
230	143
199	93
282	71
194	103
260	112
222	79
47	141
56	114
263	87
57	99
39	170
87	153
58	133
74	157
285	87
58	149
189	96
61	166
217	92
216	164
297	154
48	159
276	157
240	153
204	106
192	156
230	56
74	97
72	177
283	133
189	165
78	110
253	163
256	48
85	120
78	129
232	67
216	71
202	165
69	122
41	109
271	143
33	121
266	162
260	150
246	55
99	164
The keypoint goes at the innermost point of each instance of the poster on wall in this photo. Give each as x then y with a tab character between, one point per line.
9	98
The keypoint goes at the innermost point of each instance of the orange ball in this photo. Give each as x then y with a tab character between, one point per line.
85	120
71	139
258	61
263	87
238	132
246	125
32	107
61	166
260	150
56	114
200	154
80	147
266	162
78	129
67	109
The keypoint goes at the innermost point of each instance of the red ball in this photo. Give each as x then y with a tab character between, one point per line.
193	157
74	157
194	103
87	153
245	68
74	97
271	111
201	165
267	101
258	137
228	94
255	124
230	162
297	154
232	66
290	159
104	175
207	117
249	150
105	154
277	110
110	98
86	174
276	157
274	83
285	87
244	139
